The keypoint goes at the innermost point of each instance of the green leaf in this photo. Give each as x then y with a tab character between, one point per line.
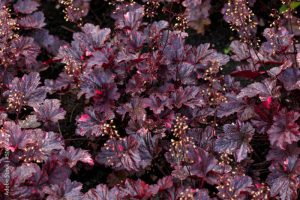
294	4
226	50
283	8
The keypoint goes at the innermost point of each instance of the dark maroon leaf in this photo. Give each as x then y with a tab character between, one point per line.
71	156
24	48
237	187
102	192
247	74
235	140
26	6
128	17
121	154
290	78
284	130
280	155
33	21
264	90
49	111
25	91
189	96
65	190
284	178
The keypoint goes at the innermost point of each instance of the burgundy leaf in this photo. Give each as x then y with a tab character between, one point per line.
232	105
264	90
284	130
72	156
204	167
136	189
238	186
26	6
25	91
89	124
284	178
65	190
29	122
281	155
26	50
50	42
102	192
236	139
189	96
128	16
49	111
247	74
290	78
156	103
33	21
27	182
122	154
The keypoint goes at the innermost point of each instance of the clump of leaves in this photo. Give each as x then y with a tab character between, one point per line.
155	110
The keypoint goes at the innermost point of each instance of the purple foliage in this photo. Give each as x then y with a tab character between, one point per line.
147	113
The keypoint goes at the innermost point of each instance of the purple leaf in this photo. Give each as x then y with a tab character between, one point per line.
77	10
49	42
240	50
62	82
41	145
17	138
25	50
238	186
65	190
156	103
284	178
72	156
56	171
128	16
25	91
49	111
281	155
136	189
90	123
135	109
278	44
26	6
284	130
29	122
102	192
91	37
121	154
264	90
27	182
290	78
33	21
96	82
236	139
189	96
232	105
204	167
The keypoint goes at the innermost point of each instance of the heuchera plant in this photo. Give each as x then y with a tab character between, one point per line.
146	113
